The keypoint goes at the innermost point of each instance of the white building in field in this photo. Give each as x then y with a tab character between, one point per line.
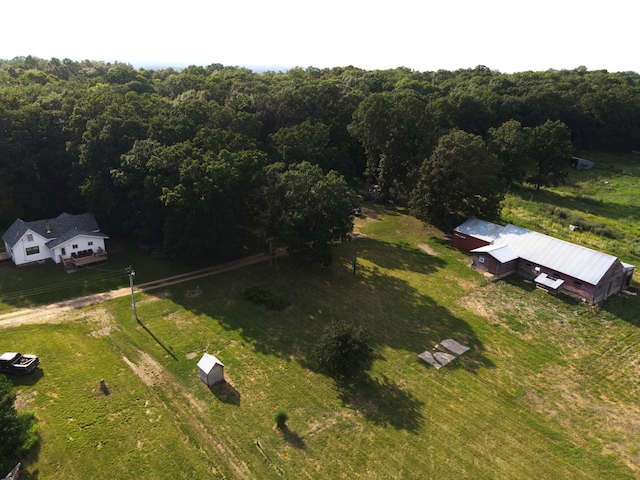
210	369
73	240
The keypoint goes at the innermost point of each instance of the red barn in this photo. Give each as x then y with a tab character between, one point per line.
474	234
553	264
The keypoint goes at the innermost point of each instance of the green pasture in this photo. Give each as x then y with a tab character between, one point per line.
606	200
549	388
34	285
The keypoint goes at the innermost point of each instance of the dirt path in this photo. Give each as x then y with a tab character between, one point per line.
53	313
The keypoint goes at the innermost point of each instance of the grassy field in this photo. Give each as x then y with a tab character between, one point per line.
43	284
604	201
549	389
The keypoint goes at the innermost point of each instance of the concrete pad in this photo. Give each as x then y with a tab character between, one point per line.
443	358
454	346
427	357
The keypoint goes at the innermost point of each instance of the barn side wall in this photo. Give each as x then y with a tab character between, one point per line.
465	242
492	265
611	283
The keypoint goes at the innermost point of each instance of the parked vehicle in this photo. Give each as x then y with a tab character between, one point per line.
18	364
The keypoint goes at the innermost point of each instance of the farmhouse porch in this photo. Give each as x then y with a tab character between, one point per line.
83	259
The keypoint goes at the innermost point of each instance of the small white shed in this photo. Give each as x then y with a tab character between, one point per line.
211	370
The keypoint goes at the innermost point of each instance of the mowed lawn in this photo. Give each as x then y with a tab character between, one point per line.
549	388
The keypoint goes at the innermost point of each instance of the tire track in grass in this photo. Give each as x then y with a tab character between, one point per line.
51	313
183	405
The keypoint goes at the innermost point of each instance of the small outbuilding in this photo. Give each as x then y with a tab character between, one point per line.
211	370
582	163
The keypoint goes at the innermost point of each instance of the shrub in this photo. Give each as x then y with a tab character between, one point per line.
281	417
265	297
343	350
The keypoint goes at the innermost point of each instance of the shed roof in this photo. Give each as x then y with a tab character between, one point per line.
207	362
481	229
502	253
568	258
543	279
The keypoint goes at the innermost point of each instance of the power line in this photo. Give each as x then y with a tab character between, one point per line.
59	286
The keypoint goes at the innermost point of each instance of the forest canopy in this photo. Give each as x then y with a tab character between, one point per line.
200	161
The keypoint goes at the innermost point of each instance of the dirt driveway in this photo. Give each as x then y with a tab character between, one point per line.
65	311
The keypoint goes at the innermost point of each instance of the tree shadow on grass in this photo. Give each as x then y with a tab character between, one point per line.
396	312
397	256
292	438
382	402
578	203
28	462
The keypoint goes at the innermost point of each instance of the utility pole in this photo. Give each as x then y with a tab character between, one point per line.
132	274
355	260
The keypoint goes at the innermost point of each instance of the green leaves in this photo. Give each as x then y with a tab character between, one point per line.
343	350
460	180
17	431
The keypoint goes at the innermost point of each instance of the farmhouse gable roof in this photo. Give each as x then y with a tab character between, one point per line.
59	229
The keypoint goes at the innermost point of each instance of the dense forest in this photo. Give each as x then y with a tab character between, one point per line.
200	162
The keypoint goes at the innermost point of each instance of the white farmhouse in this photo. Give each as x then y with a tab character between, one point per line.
73	240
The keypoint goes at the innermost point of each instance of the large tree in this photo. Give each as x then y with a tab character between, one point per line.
509	143
395	129
461	179
550	151
17	430
312	211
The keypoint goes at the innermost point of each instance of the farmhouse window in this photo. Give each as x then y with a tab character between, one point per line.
90	243
32	250
29	237
75	246
481	259
63	251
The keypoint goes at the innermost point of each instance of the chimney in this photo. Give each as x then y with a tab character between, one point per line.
47	226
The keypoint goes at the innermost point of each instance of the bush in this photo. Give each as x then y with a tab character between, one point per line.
343	350
281	417
265	297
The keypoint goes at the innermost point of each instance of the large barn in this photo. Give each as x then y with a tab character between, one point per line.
554	265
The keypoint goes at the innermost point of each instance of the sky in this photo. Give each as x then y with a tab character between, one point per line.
424	35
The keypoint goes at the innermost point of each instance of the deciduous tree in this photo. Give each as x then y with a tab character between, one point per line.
461	179
17	430
343	350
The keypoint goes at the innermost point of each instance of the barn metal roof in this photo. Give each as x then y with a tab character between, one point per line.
574	260
502	253
481	229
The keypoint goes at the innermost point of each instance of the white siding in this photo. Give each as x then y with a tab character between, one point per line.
81	242
19	250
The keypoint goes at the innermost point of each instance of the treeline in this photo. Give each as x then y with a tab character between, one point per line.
199	160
